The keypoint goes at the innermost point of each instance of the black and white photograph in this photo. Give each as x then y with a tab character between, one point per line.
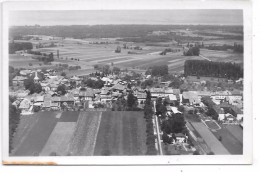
127	82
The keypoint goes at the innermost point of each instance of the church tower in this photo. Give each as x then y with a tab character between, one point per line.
36	78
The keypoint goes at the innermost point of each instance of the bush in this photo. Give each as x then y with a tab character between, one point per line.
30	64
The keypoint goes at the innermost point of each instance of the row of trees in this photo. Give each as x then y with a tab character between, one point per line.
13	47
14	118
213	69
160	70
148	115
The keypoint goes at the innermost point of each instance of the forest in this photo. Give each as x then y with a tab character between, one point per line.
213	69
13	47
110	31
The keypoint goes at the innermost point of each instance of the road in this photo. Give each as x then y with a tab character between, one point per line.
158	132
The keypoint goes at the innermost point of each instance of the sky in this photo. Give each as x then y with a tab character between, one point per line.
104	17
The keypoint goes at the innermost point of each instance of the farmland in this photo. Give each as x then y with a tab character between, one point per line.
121	133
80	134
84	53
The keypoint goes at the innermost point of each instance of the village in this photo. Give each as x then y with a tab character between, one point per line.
214	110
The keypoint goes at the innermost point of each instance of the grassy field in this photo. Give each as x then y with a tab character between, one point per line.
32	142
210	139
80	134
84	137
231	138
59	139
121	133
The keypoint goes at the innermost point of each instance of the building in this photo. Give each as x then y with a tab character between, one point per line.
36	78
25	105
87	94
180	138
191	98
18	80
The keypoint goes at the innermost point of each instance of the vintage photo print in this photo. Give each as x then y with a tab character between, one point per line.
127	85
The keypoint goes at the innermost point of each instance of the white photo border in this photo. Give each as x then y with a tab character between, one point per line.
246	158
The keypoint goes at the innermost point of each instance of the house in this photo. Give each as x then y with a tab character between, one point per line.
180	138
220	95
191	98
118	87
16	103
235	111
45	86
18	80
76	79
38	100
22	94
157	92
55	106
25	105
53	87
46	105
68	99
141	97
87	94
218	111
25	72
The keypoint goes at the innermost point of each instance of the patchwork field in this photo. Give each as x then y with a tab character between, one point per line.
80	134
91	54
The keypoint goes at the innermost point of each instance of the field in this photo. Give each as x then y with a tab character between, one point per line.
80	134
232	138
212	125
121	133
210	139
91	54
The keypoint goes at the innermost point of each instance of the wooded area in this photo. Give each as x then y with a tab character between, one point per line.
213	69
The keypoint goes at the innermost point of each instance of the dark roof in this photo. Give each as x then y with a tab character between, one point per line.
217	109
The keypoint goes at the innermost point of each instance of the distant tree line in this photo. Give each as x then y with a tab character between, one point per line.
113	31
222	36
239	48
13	47
213	69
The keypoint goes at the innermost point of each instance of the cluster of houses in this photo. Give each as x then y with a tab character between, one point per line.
114	88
